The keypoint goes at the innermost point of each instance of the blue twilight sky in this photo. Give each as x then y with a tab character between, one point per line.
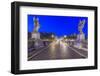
59	25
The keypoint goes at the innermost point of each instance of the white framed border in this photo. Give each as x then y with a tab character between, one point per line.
24	64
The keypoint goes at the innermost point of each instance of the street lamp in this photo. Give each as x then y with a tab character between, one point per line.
65	36
52	36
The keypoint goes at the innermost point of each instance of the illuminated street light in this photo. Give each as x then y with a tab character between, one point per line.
52	36
65	36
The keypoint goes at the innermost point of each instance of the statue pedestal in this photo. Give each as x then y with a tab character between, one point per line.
80	39
36	35
37	40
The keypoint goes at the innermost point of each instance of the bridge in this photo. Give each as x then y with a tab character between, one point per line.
57	49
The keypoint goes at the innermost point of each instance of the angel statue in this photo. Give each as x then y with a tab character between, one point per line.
81	26
36	24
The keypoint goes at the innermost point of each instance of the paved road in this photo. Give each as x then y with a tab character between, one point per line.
58	50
